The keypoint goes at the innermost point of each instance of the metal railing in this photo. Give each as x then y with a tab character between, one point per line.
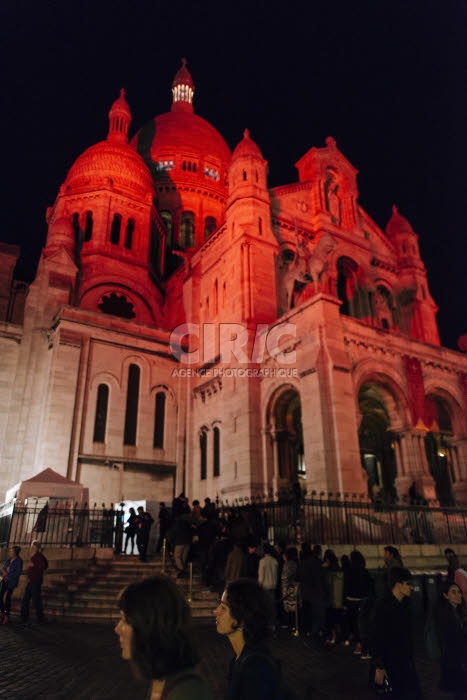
321	518
348	520
60	526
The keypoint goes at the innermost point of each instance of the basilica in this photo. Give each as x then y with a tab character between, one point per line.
191	329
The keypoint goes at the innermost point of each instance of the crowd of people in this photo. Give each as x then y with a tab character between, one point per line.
263	586
314	594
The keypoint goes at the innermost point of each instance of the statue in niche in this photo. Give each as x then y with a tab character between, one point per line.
383	312
331	196
305	268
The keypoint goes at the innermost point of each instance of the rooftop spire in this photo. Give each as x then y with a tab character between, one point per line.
183	89
119	120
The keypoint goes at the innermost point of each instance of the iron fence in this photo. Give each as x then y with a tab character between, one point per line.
354	521
61	526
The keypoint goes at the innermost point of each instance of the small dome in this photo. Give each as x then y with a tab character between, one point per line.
119	120
398	224
112	162
247	147
108	163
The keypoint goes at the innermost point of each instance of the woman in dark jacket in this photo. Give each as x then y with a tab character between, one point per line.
451	626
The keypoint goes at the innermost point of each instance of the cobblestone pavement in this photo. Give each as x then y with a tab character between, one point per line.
82	662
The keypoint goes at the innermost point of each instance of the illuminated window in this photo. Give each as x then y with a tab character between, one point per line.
165	165
203	450
182	93
88	226
130	227
211	172
100	420
216	451
187	230
115	229
159	420
131	413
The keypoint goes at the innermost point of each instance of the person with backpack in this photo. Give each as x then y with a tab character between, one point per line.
243	616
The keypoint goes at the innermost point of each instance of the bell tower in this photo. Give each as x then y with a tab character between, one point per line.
417	310
249	229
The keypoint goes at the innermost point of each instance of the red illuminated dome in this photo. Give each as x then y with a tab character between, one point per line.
398	224
188	159
247	147
182	145
112	162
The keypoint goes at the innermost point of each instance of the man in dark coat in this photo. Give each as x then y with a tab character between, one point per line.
392	638
164	525
143	528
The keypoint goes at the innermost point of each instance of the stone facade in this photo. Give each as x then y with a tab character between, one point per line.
191	329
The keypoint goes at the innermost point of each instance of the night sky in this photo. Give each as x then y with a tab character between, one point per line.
387	79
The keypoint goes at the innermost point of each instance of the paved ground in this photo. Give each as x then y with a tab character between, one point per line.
82	662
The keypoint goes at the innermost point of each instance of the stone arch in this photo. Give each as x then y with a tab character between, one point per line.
384	375
384	412
286	444
442	421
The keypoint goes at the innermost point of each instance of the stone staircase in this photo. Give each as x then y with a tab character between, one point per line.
90	594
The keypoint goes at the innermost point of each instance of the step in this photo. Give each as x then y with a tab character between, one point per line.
90	594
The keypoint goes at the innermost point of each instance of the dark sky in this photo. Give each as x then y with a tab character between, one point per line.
387	79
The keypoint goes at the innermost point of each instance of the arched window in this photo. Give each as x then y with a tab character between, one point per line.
216	452
166	217
76	226
209	226
130	228
115	229
187	230
203	453
131	413
88	226
351	290
100	420
159	420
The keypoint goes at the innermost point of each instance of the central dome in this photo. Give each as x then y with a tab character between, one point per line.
182	133
181	146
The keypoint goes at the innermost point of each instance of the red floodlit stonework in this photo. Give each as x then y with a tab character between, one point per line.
195	330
